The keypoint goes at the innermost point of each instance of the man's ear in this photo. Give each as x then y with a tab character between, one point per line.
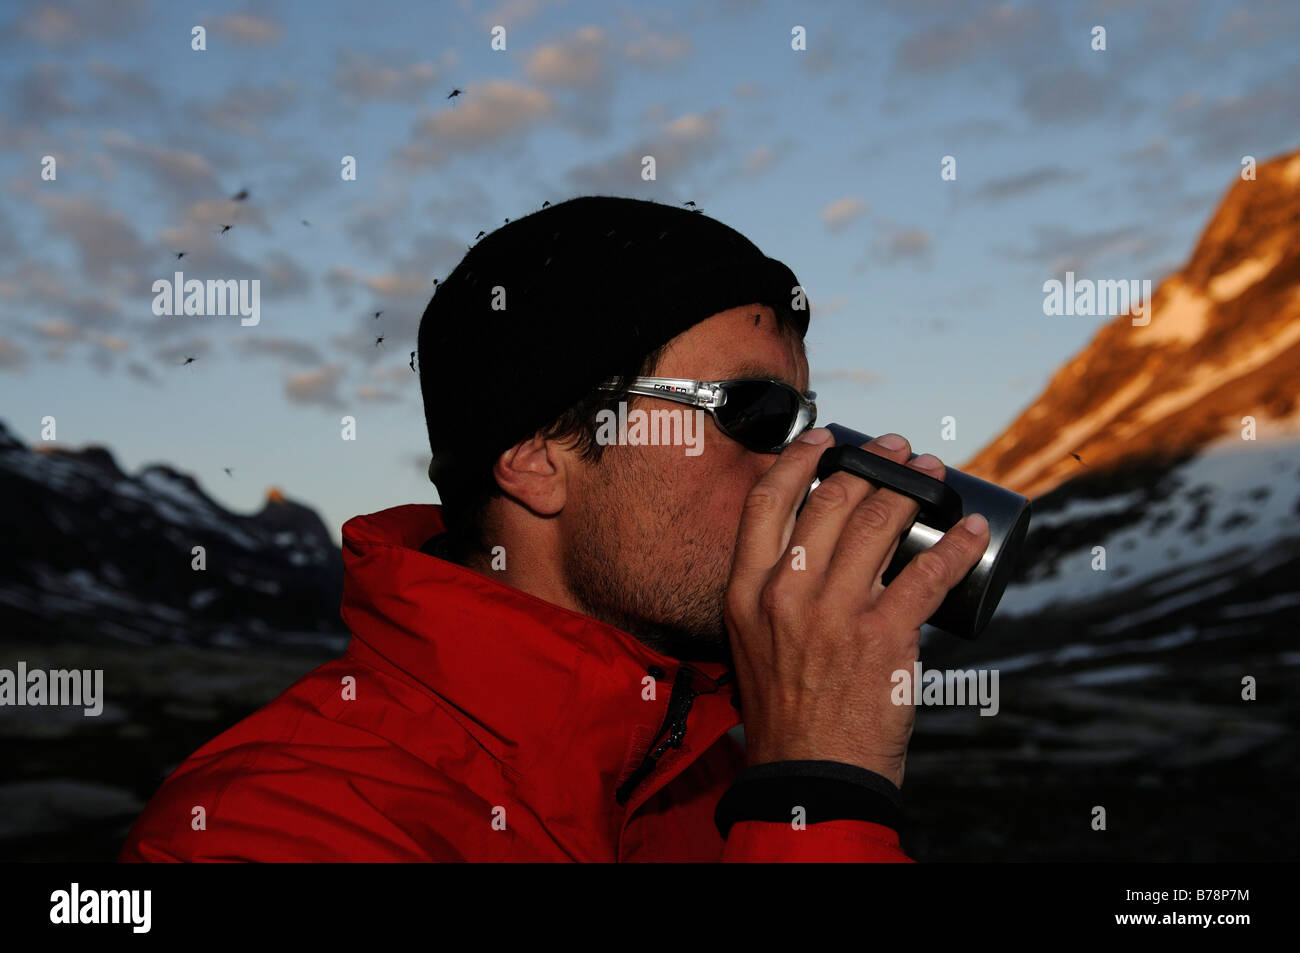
534	472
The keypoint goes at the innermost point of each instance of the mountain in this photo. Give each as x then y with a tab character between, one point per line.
1145	646
1223	343
92	552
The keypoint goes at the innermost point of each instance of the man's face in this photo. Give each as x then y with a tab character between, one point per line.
649	531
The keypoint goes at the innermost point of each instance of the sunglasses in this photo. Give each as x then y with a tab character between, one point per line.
763	415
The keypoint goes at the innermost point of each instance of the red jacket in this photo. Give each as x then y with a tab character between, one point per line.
468	720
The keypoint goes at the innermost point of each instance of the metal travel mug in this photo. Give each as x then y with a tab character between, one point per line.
971	603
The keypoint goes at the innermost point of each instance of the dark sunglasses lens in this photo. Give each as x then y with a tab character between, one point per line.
758	414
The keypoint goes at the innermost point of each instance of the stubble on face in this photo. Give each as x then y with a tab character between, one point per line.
619	570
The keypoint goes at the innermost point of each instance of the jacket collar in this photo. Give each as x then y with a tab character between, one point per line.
533	682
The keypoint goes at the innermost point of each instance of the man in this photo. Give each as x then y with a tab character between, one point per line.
549	665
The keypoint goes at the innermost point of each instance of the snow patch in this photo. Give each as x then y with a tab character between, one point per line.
1179	318
1234	281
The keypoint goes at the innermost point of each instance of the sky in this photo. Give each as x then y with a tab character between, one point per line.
926	293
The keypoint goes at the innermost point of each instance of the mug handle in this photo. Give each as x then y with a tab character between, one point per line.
941	506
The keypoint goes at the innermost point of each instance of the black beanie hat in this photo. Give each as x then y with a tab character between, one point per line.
591	286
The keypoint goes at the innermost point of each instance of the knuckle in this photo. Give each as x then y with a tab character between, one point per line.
931	566
761	501
874	515
829	495
773	598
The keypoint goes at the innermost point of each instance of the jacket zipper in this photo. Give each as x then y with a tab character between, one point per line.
674	726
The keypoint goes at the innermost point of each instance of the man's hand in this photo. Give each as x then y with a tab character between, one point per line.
815	648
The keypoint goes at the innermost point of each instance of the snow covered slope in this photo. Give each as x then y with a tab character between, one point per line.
1223	343
91	552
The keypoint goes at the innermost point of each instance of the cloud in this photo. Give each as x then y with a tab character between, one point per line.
181	173
319	386
40	286
822	54
105	241
17	137
289	350
681	144
59	330
142	373
198	235
824	309
984	129
513	12
900	242
12	355
377	395
655	50
394	375
242	108
410	287
248	29
178	352
41	95
1156	150
577	62
111	342
758	161
482	116
1257	122
374	226
283	277
61	23
1061	249
341	280
8	242
841	213
1022	183
992	29
361	78
123	87
1068	95
105	349
463	202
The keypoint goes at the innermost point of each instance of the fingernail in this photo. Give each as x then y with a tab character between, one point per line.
928	461
816	435
975	524
891	441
